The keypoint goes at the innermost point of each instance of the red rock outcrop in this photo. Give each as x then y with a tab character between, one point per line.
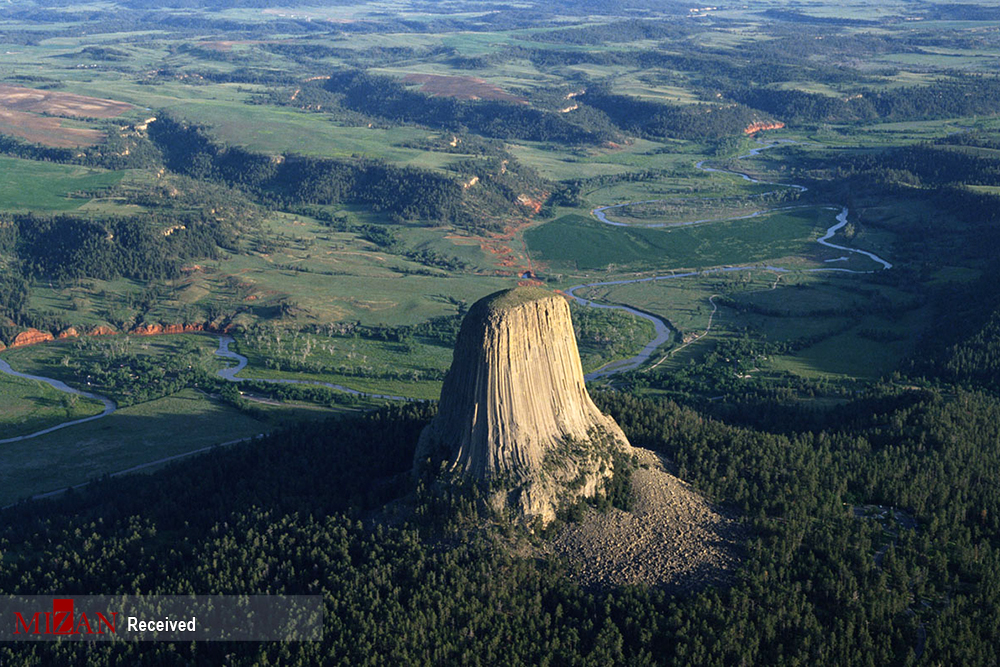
31	337
34	336
101	331
147	330
183	328
158	329
754	128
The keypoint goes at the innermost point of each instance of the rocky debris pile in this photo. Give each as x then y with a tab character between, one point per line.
672	537
515	413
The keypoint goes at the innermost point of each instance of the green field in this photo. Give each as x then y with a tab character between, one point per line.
290	131
70	360
44	186
28	406
395	369
580	243
132	436
683	302
846	355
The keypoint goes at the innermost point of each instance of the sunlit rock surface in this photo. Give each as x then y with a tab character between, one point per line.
514	410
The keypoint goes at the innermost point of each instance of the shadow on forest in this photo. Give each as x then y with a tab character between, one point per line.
314	468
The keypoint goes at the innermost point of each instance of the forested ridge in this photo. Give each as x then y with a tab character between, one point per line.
653	119
388	98
288	181
962	96
302	180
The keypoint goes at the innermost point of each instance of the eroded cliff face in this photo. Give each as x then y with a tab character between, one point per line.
31	337
754	128
514	410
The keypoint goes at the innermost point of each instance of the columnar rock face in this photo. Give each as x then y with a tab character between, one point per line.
514	409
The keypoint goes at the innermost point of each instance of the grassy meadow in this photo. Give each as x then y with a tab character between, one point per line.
29	406
130	437
575	242
29	185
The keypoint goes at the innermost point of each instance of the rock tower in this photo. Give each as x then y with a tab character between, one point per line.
514	411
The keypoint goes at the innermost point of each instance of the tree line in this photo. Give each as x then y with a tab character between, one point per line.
290	181
957	96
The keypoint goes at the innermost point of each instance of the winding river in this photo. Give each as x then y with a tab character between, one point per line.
662	330
229	374
109	405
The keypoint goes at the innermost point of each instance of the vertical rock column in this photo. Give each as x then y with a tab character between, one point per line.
514	410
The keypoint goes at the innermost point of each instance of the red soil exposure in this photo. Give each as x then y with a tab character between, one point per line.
497	249
22	109
31	337
54	103
461	87
497	244
46	130
533	205
102	331
754	128
68	333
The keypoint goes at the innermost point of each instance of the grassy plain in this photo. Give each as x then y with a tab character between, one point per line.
66	359
137	435
280	130
27	406
392	368
46	186
328	276
576	242
346	281
567	163
683	302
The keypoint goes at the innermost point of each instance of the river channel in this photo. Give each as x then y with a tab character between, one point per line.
661	328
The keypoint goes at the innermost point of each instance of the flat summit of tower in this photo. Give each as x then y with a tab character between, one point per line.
503	300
